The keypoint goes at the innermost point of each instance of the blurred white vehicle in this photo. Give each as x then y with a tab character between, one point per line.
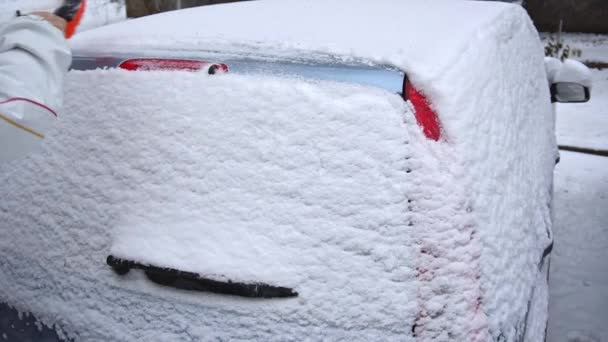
293	170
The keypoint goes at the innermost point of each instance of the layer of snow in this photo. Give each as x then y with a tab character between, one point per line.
386	235
508	151
579	275
316	171
586	124
575	72
422	38
552	67
293	184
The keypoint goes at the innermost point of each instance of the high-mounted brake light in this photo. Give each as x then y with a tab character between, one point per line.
147	64
426	117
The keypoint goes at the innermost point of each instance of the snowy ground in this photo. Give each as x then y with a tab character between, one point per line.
594	47
586	124
579	272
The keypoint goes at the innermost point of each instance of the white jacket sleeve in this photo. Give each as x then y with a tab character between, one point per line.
34	58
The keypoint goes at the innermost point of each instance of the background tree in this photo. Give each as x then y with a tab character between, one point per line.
577	16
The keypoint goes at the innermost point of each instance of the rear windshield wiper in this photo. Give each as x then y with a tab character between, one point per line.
195	282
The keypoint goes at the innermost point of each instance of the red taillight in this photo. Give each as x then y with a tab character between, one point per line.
425	116
172	64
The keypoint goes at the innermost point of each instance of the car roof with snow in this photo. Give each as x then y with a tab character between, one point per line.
416	36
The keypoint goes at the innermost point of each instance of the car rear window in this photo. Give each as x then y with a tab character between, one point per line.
279	180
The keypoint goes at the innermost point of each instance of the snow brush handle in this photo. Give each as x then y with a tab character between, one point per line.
71	11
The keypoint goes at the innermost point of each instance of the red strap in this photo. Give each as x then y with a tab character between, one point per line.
14	99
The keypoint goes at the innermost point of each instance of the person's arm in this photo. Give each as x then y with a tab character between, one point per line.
34	58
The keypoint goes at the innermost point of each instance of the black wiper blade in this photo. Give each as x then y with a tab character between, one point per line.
195	282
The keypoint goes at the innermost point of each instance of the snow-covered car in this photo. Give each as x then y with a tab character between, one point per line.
331	170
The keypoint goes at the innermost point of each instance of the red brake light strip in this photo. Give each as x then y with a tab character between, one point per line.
426	117
147	64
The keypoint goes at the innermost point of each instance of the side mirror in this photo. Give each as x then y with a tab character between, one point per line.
569	92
